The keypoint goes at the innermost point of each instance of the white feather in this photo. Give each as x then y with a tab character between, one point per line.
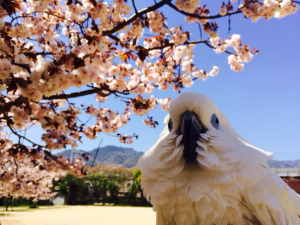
231	184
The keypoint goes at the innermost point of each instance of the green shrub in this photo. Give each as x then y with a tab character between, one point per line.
34	206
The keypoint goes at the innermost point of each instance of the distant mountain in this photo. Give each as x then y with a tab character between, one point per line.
284	164
110	154
128	157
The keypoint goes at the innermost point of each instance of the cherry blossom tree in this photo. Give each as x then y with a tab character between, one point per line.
101	49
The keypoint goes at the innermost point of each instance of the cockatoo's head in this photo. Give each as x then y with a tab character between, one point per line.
192	117
198	134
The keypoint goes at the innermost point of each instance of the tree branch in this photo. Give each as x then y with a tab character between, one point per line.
185	43
20	136
135	16
73	95
73	110
117	40
17	102
209	45
172	44
37	53
135	9
202	17
8	55
17	168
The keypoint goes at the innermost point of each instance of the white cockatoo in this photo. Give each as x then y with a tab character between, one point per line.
201	172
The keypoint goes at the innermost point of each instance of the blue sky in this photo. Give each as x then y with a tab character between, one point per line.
262	102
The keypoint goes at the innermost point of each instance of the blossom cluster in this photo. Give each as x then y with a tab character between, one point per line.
187	5
243	53
108	121
268	9
29	172
141	106
156	22
126	139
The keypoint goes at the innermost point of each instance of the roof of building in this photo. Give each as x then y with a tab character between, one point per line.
287	172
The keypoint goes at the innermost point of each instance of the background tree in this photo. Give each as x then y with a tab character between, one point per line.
75	190
136	185
113	189
109	178
8	201
53	50
95	180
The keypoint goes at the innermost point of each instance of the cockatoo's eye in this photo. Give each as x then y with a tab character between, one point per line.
170	124
214	121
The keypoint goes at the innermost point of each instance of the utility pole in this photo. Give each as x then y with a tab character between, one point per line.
97	152
71	156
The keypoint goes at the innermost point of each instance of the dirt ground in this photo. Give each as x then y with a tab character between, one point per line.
80	215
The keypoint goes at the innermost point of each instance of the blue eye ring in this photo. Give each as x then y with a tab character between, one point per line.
214	121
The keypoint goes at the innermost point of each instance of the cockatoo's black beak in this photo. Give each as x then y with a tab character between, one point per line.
190	127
